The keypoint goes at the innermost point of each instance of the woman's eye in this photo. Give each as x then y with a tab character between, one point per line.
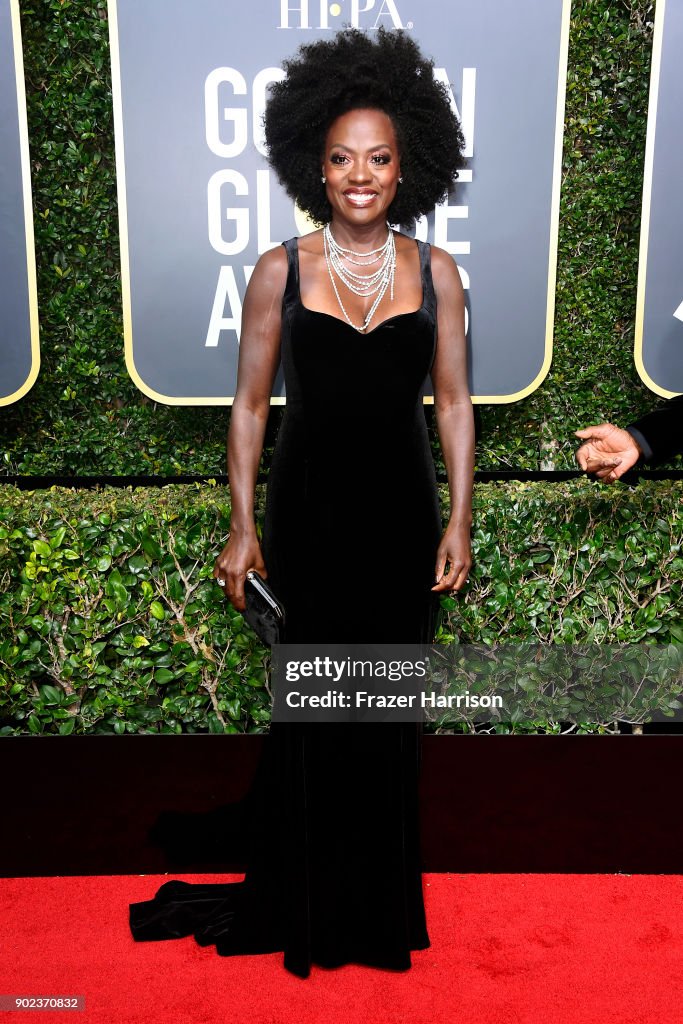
337	158
381	158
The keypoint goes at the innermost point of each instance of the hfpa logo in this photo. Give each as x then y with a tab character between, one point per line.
369	14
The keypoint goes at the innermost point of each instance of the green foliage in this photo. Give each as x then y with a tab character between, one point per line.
574	563
85	416
545	682
110	620
578	563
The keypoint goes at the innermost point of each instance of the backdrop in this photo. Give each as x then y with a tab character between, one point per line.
659	312
19	352
198	204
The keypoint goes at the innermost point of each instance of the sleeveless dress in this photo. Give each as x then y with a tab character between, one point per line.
352	526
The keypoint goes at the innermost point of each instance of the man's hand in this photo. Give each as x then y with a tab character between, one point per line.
609	451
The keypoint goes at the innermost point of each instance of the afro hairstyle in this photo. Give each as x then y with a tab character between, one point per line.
353	71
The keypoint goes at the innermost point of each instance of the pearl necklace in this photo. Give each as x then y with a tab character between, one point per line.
364	285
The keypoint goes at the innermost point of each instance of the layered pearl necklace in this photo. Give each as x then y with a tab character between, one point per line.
376	283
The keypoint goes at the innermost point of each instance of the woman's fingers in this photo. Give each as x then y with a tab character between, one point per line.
235	589
220	575
232	566
457	575
440	566
462	577
455	578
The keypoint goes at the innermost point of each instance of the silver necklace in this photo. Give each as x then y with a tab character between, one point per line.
364	285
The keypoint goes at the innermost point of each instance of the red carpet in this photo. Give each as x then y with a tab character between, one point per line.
506	949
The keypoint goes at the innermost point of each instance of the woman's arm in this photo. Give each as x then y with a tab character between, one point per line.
258	362
455	421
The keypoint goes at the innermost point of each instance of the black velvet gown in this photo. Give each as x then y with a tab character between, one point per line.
351	530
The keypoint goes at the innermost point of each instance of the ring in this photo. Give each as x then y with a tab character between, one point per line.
220	582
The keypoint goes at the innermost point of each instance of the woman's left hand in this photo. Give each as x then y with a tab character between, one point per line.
454	549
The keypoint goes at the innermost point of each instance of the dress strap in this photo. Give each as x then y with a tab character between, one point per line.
429	295
291	293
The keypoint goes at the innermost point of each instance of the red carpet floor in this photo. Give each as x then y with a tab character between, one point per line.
506	949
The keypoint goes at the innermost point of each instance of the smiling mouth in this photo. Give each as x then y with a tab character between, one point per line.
360	197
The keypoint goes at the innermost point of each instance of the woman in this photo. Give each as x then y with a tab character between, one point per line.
362	137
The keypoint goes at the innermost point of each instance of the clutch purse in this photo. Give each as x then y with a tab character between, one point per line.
264	613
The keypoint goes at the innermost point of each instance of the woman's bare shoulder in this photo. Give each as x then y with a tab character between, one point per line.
445	271
272	261
270	272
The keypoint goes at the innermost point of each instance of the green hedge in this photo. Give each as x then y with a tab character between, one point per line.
84	415
110	621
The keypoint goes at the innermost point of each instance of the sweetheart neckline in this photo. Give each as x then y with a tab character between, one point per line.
341	320
331	316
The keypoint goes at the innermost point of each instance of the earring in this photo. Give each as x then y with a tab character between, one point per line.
400	180
323	179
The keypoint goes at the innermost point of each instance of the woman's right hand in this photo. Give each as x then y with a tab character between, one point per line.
241	553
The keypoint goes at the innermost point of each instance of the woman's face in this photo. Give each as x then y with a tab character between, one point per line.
362	166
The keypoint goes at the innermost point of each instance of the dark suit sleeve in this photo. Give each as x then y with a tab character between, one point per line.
662	430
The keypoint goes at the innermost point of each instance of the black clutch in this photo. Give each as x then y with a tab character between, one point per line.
264	613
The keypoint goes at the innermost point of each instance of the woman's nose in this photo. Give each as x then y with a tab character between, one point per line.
359	171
